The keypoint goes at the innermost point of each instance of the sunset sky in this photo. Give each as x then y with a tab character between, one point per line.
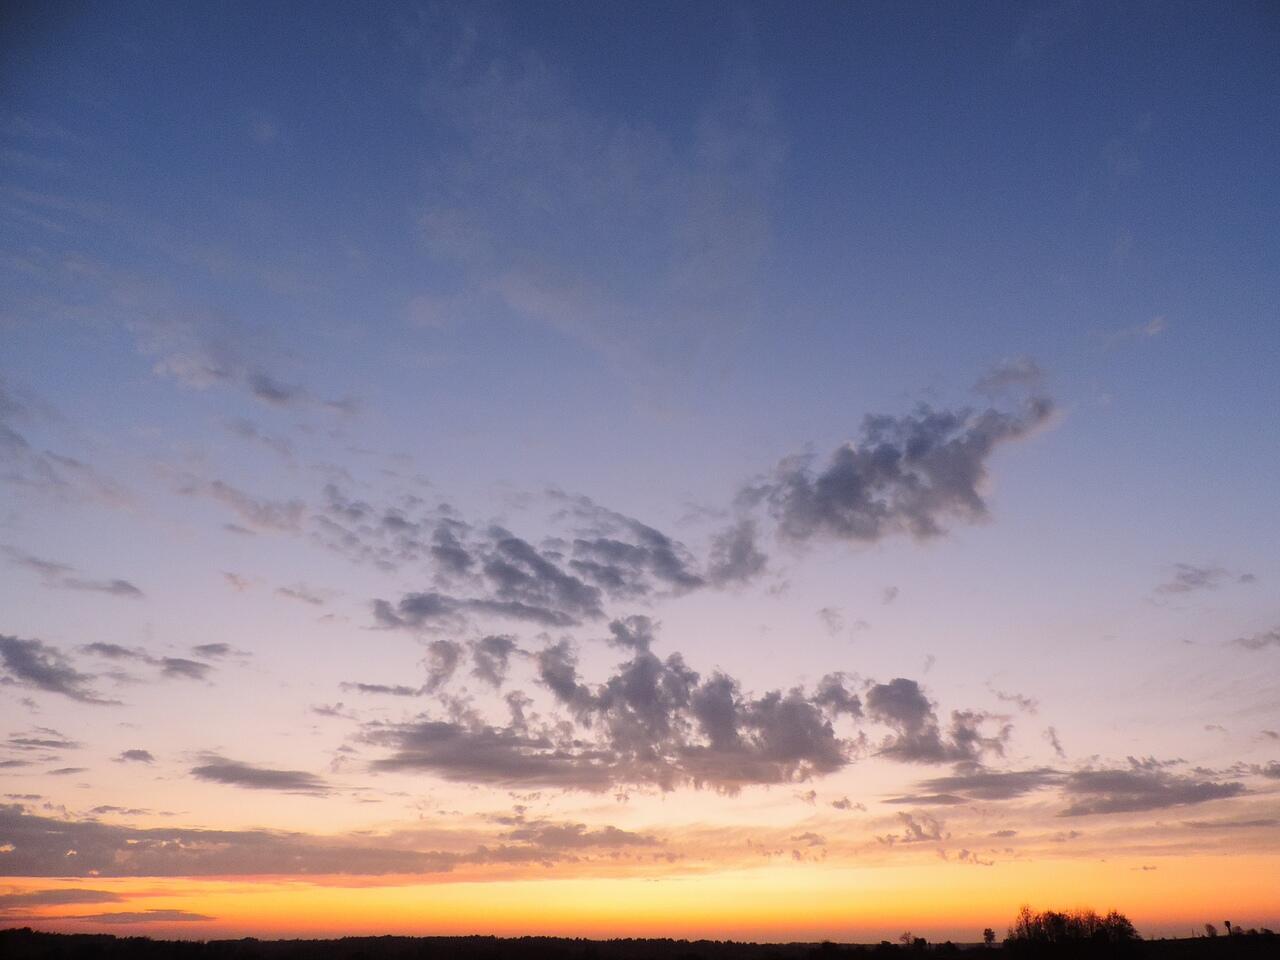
688	469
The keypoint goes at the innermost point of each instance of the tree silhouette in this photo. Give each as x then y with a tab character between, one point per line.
1034	931
988	936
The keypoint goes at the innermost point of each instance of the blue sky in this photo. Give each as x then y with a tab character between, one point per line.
467	263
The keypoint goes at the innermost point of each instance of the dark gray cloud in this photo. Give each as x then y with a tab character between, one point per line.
1126	791
1259	641
917	738
491	656
61	576
519	573
575	836
1189	578
215	650
114	651
396	690
34	663
173	668
415	610
631	633
58	847
234	773
651	722
1051	735
927	800
1265	823
136	756
183	668
155	915
907	474
735	555
55	898
621	555
41	739
980	784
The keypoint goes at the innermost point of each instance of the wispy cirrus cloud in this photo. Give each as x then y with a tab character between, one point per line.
62	576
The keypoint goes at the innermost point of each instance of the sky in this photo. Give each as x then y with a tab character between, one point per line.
679	469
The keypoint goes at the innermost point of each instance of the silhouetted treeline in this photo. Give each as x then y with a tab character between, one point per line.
26	944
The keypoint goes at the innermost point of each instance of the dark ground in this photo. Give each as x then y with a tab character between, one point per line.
26	944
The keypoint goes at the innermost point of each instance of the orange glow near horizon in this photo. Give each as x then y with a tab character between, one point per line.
772	904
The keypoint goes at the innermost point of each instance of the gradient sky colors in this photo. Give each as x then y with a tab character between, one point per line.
609	469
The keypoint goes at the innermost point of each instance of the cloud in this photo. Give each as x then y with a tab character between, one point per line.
397	690
1262	824
1018	373
1024	703
547	208
832	619
844	803
234	773
41	738
259	514
215	650
652	722
1146	330
237	582
201	354
491	657
250	432
56	898
145	916
36	664
179	668
183	668
902	705
983	784
1259	641
136	756
917	828
45	846
904	475
576	836
1189	578
441	662
1094	792
26	467
1051	735
625	558
302	593
61	576
735	557
415	610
